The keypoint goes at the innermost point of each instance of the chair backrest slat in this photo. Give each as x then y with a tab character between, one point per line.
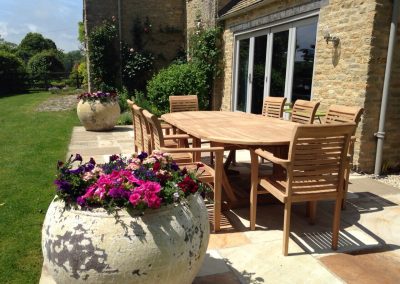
273	107
304	111
156	134
319	157
343	114
137	126
183	103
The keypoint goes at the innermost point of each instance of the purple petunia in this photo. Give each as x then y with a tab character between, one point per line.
119	193
142	156
62	185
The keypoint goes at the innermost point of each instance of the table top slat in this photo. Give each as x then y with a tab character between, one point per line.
232	127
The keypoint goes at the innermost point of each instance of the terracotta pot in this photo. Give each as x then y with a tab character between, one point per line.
97	116
165	245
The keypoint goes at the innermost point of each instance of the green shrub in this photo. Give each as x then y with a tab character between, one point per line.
13	76
177	79
125	118
45	62
141	100
123	95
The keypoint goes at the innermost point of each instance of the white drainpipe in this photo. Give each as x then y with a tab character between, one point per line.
386	86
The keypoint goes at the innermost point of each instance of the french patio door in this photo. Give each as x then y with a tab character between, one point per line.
274	62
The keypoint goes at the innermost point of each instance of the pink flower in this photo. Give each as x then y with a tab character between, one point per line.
134	199
151	186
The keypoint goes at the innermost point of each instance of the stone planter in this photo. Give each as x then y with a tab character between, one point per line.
97	116
165	245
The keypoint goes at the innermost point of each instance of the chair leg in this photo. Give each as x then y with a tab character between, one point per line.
312	211
336	223
234	158
346	188
254	186
286	227
218	189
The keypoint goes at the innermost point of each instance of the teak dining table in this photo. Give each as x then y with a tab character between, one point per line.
224	128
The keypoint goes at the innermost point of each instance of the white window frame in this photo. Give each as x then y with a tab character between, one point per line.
291	26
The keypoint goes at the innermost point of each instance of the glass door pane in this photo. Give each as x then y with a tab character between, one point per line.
304	61
279	60
242	75
260	46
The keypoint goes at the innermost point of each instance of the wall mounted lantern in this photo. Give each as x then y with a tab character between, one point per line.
328	37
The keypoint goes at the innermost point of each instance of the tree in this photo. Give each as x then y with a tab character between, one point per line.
32	44
70	59
7	46
45	62
12	73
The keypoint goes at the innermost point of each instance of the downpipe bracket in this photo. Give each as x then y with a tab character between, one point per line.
380	135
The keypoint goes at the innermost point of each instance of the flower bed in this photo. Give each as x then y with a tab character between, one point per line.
139	182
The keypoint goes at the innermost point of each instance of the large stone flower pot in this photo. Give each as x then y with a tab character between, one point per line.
97	116
165	245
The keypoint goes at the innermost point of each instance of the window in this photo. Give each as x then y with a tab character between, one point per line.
276	61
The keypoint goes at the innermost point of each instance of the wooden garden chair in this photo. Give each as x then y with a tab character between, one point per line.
185	103
209	174
137	127
344	114
142	139
273	107
304	111
315	169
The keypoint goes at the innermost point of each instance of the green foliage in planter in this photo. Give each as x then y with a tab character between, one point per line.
45	62
178	79
103	56
137	67
13	75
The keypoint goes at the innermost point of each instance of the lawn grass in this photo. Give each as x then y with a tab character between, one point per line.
30	144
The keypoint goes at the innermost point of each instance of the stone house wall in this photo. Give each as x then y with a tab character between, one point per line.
351	74
168	23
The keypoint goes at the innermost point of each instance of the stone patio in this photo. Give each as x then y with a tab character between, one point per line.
369	236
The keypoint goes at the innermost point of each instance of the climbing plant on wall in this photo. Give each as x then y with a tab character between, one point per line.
204	51
104	56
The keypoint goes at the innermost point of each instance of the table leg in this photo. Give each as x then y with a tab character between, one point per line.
196	142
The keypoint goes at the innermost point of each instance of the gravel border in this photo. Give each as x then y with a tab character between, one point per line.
391	180
60	103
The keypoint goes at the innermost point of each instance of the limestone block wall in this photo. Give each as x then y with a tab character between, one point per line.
168	22
353	73
391	153
200	9
167	18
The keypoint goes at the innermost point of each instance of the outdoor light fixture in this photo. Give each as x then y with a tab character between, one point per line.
328	37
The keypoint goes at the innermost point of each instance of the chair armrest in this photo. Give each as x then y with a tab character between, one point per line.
192	150
176	136
270	157
165	125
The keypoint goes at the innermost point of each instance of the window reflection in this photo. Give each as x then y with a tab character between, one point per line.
260	46
279	60
242	74
304	62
